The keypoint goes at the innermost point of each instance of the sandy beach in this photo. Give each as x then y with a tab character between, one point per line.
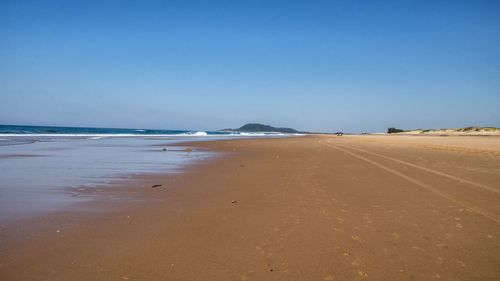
299	208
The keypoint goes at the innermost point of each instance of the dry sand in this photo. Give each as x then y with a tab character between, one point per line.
308	208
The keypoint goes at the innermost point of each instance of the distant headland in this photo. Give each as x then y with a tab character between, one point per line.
256	127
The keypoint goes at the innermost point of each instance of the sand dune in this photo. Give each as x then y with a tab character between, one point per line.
468	131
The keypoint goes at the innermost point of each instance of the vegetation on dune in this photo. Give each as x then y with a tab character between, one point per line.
466	130
478	129
393	130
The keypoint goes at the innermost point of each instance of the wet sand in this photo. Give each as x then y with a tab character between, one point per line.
307	208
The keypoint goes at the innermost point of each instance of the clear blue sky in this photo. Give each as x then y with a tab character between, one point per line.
313	65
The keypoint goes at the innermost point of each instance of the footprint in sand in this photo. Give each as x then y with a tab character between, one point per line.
419	248
441	246
355	238
461	263
362	274
437	276
367	218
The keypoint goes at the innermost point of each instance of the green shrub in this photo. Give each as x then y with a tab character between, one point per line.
393	130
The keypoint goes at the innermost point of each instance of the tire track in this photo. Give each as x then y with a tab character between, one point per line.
425	186
461	180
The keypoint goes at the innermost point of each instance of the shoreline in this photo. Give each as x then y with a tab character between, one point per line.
277	209
51	174
118	195
135	192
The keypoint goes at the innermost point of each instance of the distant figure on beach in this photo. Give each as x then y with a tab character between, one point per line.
339	134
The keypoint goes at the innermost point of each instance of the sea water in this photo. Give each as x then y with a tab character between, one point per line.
39	165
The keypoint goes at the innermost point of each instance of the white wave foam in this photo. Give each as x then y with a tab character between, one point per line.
195	134
190	134
200	134
251	134
72	135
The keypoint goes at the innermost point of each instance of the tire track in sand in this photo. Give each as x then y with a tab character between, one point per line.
427	187
461	180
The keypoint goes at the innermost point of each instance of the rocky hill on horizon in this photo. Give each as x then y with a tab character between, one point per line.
257	127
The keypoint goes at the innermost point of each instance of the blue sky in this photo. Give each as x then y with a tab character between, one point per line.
313	65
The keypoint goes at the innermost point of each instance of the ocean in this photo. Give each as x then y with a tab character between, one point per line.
43	168
10	130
